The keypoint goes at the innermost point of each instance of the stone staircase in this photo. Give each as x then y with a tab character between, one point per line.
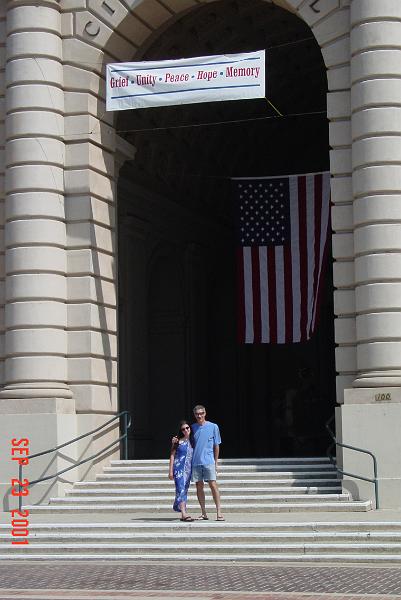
126	514
323	542
254	485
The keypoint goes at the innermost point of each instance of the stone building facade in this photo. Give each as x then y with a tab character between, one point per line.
59	169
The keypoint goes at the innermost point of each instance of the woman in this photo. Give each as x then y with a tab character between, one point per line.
180	469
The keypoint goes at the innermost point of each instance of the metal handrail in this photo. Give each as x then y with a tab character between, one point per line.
126	425
349	447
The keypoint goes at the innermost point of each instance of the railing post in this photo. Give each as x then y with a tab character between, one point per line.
125	436
375	481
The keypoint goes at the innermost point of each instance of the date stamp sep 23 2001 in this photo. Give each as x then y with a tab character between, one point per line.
19	488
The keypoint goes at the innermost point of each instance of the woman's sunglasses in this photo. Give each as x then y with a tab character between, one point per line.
184	428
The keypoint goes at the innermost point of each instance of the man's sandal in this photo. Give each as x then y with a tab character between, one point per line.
202	518
188	519
220	518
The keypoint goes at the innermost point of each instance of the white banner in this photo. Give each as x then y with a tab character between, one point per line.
185	81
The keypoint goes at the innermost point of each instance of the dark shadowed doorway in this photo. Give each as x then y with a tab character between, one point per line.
177	270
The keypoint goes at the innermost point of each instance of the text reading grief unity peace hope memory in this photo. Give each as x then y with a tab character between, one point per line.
145	80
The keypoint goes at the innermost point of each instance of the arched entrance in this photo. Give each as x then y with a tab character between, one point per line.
177	283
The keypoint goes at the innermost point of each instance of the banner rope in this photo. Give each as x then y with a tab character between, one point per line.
289	43
233	121
274	108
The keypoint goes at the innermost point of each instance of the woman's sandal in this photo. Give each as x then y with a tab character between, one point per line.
202	518
188	519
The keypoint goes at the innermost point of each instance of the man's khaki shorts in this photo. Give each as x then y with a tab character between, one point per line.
204	473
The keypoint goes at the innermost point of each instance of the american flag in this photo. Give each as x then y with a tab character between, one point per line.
282	225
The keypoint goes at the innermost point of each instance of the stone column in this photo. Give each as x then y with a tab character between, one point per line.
35	228
35	393
377	189
2	176
371	416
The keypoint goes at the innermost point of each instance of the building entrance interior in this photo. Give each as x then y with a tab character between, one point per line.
177	269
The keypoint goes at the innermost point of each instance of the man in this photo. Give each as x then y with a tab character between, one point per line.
206	436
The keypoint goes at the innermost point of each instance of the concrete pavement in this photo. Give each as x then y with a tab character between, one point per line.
215	581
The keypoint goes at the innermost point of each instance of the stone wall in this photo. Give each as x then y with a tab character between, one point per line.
90	218
63	158
2	174
371	414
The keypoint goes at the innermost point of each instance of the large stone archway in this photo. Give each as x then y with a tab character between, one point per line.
106	29
61	163
174	197
110	31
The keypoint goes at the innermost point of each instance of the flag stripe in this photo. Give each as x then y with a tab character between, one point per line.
295	263
248	296
281	324
303	256
264	294
241	294
288	295
319	290
316	251
271	277
324	241
310	224
256	295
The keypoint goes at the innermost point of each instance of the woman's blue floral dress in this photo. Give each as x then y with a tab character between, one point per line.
182	469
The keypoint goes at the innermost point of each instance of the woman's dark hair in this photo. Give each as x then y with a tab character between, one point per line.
180	433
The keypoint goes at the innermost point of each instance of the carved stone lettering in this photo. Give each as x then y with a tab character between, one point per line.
108	8
383	397
312	5
92	29
315	10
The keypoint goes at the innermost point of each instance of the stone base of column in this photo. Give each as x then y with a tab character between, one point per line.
47	423
375	426
36	390
375	379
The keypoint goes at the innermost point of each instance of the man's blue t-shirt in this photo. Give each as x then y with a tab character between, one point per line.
205	437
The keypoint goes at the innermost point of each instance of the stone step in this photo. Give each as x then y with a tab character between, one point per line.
175	527
313	557
223	483
243	477
168	492
262	475
233	461
127	507
214	549
226	501
207	538
262	468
